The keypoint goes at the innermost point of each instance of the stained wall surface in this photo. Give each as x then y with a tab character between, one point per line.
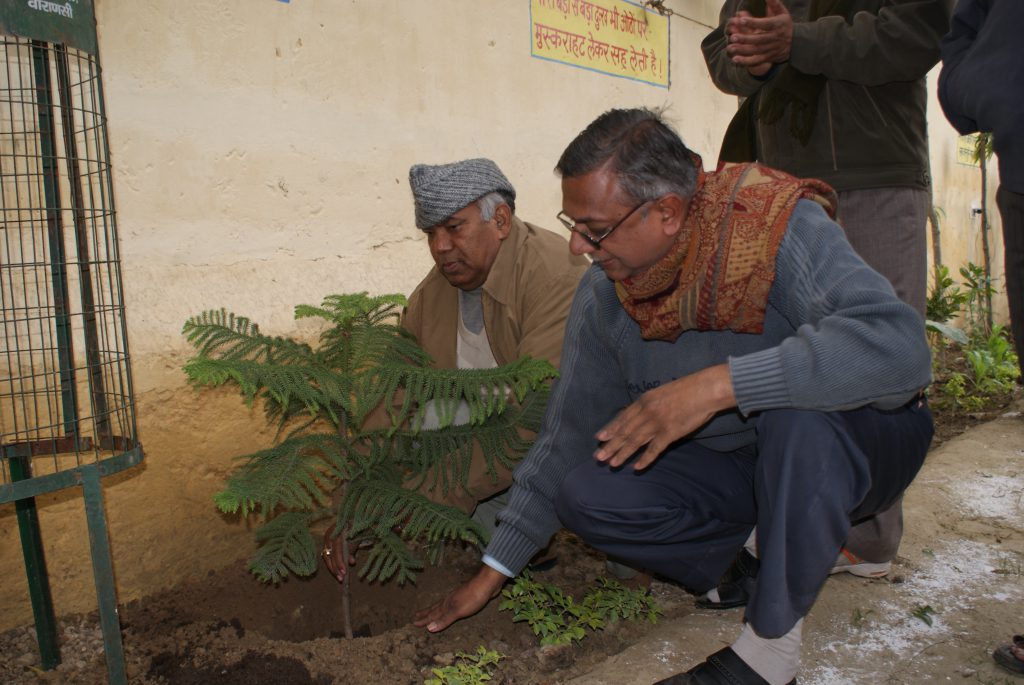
261	150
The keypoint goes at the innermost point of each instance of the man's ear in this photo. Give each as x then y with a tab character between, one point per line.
503	220
670	213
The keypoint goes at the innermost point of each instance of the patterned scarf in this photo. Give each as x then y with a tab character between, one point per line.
718	273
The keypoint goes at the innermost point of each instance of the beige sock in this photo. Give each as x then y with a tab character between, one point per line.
777	659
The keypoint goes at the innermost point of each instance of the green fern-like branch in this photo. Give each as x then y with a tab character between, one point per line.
390	557
228	336
364	331
380	509
295	474
286	545
485	391
441	458
342	309
320	390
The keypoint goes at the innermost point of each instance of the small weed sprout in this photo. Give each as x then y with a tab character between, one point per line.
858	618
467	669
924	612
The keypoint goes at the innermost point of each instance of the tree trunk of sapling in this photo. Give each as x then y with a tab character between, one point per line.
983	155
346	588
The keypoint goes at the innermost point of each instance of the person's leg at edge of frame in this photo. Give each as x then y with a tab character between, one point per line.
1011	211
888	228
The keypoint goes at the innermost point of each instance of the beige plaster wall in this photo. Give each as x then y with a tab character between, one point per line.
261	152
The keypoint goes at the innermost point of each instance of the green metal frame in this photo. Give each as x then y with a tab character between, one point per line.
56	113
22	491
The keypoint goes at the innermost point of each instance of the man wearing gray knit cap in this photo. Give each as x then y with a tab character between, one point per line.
500	290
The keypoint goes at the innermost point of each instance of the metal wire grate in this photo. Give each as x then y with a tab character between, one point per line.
67	415
66	397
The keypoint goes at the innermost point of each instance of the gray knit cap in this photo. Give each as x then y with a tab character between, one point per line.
441	190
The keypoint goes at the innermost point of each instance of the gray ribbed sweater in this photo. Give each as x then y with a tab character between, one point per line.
835	337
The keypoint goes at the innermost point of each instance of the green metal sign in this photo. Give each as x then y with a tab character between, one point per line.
71	22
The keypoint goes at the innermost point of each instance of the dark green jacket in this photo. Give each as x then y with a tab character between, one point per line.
870	130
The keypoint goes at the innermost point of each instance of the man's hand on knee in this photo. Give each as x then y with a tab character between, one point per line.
663	415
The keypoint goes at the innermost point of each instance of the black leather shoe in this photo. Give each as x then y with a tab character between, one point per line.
724	667
736	583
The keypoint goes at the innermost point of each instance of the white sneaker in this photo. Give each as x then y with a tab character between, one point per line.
848	562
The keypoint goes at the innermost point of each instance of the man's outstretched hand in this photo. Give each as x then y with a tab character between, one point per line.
463	601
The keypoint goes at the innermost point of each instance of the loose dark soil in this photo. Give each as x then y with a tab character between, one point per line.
230	629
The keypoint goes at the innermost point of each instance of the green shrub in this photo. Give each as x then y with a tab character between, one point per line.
467	669
558	619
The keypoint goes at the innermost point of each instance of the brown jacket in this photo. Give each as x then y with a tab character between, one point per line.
526	300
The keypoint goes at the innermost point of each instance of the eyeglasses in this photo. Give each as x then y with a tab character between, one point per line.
573	226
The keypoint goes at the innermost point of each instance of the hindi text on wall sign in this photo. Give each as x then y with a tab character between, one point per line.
610	36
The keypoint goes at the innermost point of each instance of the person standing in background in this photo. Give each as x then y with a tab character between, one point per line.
835	90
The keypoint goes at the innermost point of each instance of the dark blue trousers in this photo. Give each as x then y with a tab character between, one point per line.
809	475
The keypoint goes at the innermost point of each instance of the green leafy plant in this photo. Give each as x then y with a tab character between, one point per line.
554	616
945	299
994	363
982	364
993	370
467	669
955	392
351	449
980	289
558	619
923	612
613	601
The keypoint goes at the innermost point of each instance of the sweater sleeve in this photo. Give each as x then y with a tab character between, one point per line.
854	342
898	43
577	408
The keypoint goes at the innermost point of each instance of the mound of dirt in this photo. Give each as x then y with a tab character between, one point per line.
231	629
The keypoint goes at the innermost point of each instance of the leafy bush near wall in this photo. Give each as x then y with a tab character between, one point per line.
975	364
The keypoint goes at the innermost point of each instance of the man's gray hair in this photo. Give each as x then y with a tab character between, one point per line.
645	153
489	203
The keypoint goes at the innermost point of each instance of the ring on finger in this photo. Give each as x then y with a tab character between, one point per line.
327	551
